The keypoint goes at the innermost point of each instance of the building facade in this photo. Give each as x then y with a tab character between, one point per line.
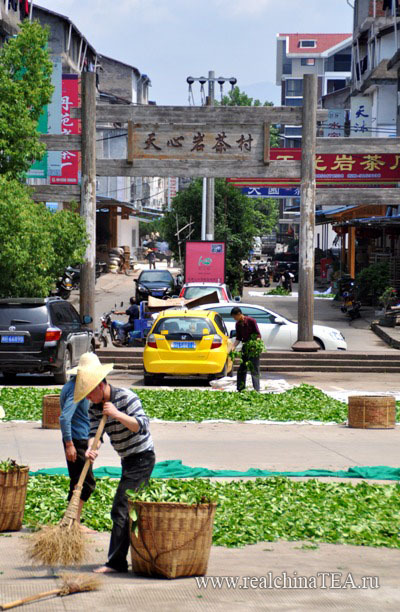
120	200
328	56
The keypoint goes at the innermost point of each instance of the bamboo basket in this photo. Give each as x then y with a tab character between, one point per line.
173	539
372	411
12	498
51	411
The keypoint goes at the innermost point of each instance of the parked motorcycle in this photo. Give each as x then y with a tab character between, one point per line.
64	286
110	331
350	305
255	276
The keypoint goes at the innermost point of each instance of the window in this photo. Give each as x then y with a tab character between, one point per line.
307	44
308	61
224	311
74	315
60	313
294	87
195	326
287	67
20	314
196	292
294	102
221	325
156	277
261	316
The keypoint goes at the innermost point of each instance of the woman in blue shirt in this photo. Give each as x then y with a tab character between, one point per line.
75	426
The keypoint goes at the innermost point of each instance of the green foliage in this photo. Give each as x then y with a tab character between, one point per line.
298	404
152	227
388	297
236	97
234	223
372	282
23	403
10	465
35	244
260	510
278	291
265	215
25	87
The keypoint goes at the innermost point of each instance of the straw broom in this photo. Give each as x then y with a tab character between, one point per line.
72	583
64	544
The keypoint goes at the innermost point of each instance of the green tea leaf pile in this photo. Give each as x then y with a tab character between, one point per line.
298	404
264	509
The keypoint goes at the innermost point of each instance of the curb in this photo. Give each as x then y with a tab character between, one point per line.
377	329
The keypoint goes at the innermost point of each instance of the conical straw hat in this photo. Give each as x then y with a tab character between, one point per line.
89	373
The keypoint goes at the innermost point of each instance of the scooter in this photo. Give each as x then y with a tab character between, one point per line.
110	329
350	306
64	286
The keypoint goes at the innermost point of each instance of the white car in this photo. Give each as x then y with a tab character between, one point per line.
278	333
191	291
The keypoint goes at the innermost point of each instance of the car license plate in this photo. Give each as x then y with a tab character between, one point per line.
158	293
12	339
183	345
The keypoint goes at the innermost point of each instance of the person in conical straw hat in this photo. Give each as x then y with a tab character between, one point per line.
128	429
75	428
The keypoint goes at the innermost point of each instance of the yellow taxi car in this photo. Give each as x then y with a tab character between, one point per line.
187	343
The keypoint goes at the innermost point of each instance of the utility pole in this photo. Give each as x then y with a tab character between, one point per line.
305	337
210	200
208	203
88	192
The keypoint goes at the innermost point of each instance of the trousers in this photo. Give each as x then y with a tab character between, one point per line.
136	469
75	469
255	374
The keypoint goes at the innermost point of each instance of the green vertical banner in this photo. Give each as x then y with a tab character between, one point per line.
50	123
38	170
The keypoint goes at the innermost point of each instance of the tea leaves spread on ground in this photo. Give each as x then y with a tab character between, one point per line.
251	511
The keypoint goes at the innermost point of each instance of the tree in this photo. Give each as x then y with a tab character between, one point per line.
233	223
239	98
266	214
25	88
35	243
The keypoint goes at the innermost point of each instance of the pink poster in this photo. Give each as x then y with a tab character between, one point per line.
205	262
70	160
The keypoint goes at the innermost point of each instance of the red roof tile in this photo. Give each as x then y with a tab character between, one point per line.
324	42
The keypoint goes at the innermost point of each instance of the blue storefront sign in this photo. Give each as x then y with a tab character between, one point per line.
271	192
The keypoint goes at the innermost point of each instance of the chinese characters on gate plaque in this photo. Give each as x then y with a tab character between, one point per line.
197	143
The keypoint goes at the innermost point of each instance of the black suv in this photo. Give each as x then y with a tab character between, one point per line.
41	335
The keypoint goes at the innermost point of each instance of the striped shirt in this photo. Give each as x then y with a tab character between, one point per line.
124	441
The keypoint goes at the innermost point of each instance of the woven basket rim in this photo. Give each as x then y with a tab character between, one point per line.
172	504
21	468
373	395
51	395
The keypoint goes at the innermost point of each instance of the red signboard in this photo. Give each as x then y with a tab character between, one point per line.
70	160
205	262
336	170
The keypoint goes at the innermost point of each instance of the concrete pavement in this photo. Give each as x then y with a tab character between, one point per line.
126	592
210	445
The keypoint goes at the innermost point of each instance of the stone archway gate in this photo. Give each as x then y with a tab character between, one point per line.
214	142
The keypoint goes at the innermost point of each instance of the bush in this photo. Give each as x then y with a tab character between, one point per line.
372	282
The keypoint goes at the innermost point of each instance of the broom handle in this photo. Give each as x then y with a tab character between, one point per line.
20	602
93	447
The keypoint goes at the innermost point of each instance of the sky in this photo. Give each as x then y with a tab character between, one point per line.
170	40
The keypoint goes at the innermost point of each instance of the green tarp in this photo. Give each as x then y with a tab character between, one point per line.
175	469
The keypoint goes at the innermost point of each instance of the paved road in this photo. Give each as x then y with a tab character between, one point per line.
358	334
114	289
